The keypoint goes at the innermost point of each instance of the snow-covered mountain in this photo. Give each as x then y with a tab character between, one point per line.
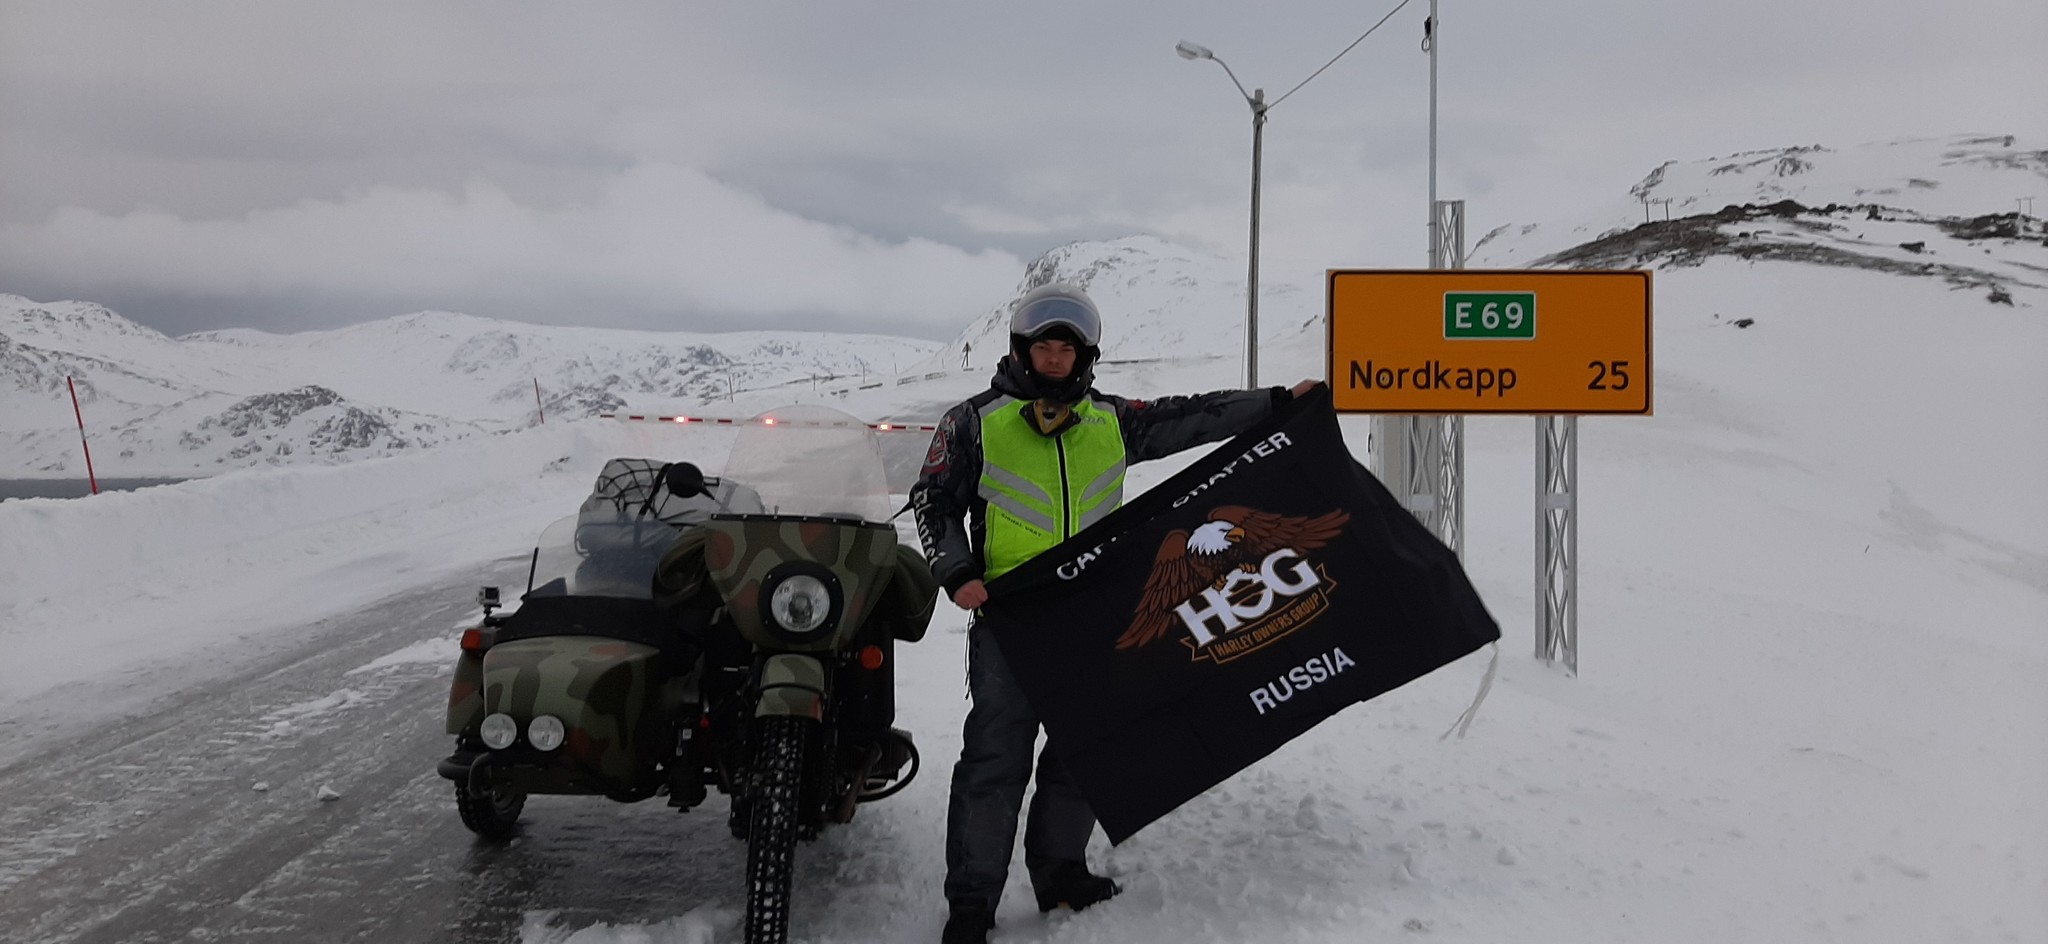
223	399
433	377
1158	299
112	360
1942	208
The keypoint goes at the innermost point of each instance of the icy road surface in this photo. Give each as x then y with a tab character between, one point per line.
202	820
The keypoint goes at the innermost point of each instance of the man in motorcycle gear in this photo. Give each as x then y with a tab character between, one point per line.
1012	472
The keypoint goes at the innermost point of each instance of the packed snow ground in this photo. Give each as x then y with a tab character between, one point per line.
1813	623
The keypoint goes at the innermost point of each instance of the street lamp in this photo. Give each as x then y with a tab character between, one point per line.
1257	100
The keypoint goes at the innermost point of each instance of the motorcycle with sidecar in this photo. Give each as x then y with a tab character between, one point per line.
682	632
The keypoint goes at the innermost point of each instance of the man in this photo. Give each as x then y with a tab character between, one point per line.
1012	472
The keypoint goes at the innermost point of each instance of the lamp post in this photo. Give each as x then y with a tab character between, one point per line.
1257	100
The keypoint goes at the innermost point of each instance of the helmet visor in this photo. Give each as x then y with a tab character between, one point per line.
1044	313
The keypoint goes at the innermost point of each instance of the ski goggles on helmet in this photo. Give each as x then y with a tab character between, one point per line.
1038	316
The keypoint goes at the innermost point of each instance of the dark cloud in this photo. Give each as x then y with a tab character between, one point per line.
178	314
887	163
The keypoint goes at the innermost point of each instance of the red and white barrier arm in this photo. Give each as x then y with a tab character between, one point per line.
765	421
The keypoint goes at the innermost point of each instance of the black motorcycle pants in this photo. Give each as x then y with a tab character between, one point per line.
989	782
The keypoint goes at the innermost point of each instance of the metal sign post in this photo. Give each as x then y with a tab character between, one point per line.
1444	436
1422	457
1557	540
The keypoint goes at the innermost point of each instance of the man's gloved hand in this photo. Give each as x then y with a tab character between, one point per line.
1304	387
971	595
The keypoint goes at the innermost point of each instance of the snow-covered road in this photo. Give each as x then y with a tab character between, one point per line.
202	820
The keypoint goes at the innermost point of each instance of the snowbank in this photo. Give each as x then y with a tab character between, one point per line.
100	587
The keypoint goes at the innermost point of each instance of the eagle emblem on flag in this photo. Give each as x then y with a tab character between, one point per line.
1235	540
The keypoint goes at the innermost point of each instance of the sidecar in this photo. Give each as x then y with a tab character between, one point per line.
587	687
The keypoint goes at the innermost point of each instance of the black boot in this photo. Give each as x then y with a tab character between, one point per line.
1069	884
969	923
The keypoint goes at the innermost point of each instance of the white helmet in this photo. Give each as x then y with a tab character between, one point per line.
1056	305
1062	312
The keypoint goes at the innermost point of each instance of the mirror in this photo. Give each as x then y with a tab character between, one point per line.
684	480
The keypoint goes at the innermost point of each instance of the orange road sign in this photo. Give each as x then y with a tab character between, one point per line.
1489	341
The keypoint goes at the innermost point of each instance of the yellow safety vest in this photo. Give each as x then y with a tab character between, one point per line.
1041	490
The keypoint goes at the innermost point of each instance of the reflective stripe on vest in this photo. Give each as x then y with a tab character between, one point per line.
1040	490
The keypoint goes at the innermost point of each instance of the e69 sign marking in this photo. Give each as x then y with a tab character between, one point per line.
1490	315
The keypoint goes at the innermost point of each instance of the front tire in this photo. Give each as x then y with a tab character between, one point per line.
773	813
492	813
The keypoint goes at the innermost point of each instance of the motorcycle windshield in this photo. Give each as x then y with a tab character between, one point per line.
601	554
812	461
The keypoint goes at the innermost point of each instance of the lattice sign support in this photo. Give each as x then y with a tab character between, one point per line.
1557	540
1422	458
1448	252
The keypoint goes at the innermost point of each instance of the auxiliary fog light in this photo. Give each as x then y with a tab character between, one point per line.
546	733
499	731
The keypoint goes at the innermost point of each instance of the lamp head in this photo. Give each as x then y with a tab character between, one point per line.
1188	50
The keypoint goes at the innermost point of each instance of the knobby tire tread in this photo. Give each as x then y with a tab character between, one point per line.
772	832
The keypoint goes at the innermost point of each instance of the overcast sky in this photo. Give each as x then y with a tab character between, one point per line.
885	165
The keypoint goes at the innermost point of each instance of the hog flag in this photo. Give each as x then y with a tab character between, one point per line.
1226	611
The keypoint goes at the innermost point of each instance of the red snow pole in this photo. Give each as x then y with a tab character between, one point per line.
89	476
536	402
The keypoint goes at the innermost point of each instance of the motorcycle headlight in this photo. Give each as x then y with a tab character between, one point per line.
800	604
499	731
546	733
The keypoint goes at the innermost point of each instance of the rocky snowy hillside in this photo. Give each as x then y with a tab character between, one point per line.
183	406
1949	209
225	399
1158	300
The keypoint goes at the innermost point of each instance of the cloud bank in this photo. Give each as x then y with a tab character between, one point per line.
658	243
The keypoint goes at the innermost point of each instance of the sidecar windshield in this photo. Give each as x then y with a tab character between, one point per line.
601	554
813	461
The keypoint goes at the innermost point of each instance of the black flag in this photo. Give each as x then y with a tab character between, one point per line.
1225	612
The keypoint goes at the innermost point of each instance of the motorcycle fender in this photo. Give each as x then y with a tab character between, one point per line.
466	695
604	690
791	685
